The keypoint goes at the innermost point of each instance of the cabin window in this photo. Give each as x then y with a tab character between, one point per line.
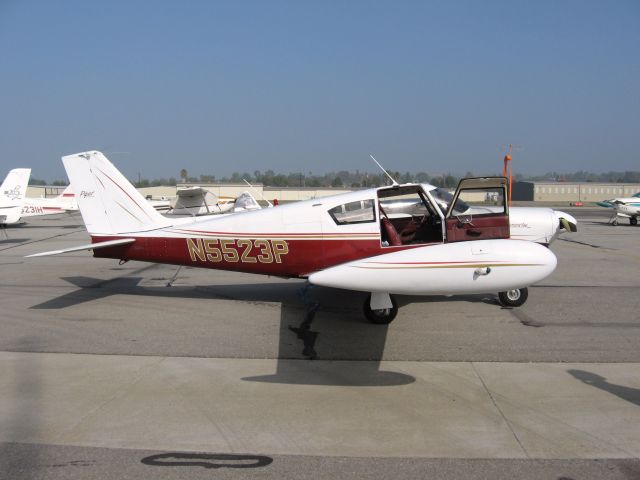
361	211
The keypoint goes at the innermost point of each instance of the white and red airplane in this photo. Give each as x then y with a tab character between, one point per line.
344	241
197	201
63	203
12	195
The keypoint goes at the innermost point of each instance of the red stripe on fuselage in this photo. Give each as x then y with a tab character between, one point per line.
272	234
302	257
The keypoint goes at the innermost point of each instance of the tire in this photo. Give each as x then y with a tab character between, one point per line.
380	317
633	220
513	298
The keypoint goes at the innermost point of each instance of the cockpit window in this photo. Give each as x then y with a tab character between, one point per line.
361	211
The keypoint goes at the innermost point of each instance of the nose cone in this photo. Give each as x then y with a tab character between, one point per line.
566	221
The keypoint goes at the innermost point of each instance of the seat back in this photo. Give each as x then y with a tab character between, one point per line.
391	233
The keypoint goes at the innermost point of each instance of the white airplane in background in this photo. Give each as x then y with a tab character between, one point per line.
624	207
197	201
63	203
343	241
12	195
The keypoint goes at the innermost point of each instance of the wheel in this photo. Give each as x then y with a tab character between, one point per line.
633	220
513	298
380	317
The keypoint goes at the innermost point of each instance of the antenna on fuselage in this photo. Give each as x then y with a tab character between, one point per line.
256	191
382	168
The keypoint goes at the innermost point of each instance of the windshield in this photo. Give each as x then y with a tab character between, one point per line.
444	199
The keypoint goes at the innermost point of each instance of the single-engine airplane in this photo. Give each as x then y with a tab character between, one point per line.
623	207
346	241
63	203
12	194
198	201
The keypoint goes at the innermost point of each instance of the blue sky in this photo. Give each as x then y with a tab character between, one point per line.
217	87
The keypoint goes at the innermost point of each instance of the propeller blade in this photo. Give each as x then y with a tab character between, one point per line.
568	226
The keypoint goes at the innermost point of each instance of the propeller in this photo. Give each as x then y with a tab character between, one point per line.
567	225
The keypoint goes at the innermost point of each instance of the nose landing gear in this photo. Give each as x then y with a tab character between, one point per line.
513	298
380	316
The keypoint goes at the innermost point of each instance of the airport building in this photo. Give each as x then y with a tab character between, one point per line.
572	191
259	191
522	191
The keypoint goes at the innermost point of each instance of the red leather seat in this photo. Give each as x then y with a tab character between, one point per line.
392	235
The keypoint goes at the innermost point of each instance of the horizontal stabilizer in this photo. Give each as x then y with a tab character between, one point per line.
90	246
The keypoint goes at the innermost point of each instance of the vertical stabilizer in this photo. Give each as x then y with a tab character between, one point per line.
14	187
109	204
67	200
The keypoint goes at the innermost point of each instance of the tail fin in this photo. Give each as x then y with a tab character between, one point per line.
14	187
109	204
67	200
67	192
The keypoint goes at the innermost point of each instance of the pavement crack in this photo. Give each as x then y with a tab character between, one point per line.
125	390
586	244
495	404
22	244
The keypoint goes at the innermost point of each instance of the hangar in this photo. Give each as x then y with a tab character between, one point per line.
572	191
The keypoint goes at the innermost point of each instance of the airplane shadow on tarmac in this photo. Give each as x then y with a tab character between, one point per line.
315	323
629	394
8	241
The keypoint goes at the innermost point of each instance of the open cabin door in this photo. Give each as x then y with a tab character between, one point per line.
479	210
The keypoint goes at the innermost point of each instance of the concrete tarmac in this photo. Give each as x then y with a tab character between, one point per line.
100	360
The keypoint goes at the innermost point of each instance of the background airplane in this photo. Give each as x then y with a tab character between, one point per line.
12	195
63	203
623	207
200	201
344	241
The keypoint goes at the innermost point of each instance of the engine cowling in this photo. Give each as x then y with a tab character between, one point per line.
540	225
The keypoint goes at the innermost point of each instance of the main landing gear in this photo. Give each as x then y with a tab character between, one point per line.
633	220
384	308
513	298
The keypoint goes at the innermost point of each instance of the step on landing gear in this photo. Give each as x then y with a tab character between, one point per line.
513	298
383	309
